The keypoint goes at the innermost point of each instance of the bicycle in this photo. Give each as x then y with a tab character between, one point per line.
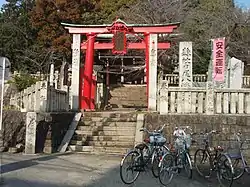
216	160
238	157
177	159
151	149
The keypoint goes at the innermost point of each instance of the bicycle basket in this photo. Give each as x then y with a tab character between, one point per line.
179	144
183	142
202	139
233	147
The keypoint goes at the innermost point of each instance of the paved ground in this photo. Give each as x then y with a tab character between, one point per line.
78	170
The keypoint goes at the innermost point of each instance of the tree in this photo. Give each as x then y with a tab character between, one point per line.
201	20
46	17
15	34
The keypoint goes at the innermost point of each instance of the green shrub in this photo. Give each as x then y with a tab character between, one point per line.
23	81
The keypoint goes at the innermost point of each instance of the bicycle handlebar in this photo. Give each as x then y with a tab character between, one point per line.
155	131
211	132
239	139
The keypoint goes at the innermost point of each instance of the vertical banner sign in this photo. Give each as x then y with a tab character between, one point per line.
185	64
219	55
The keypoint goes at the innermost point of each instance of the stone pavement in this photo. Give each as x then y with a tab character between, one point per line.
78	170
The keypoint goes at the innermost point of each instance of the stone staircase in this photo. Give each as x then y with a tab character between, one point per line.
105	132
128	96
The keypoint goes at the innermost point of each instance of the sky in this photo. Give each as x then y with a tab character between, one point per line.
241	3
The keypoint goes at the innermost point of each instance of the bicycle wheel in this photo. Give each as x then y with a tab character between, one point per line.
132	158
166	169
202	163
188	166
156	157
239	167
225	172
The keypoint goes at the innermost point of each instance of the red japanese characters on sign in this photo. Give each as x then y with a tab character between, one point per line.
219	54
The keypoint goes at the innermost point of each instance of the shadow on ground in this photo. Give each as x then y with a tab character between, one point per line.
6	168
112	178
12	182
66	170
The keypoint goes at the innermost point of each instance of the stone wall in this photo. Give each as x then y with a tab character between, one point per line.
13	129
226	124
50	130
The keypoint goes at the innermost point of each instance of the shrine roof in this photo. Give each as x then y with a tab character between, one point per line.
129	25
135	28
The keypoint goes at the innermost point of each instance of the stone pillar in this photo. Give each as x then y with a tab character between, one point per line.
236	70
74	90
139	125
164	97
185	74
56	79
210	98
30	139
152	73
51	74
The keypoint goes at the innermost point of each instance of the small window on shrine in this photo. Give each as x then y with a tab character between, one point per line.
119	41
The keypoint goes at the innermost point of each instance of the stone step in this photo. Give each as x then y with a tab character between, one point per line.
103	138
111	144
103	143
125	127
94	149
131	96
127	104
138	99
84	132
132	103
114	119
117	133
106	133
111	114
106	124
130	88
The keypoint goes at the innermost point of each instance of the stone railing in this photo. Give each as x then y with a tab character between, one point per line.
173	79
201	100
41	97
246	81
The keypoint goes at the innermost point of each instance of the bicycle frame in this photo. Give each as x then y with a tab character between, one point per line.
151	146
241	156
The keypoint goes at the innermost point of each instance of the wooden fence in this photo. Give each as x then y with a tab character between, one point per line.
202	100
41	97
173	79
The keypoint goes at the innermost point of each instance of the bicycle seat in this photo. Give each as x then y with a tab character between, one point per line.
218	148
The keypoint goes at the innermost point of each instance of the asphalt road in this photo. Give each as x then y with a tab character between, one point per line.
82	170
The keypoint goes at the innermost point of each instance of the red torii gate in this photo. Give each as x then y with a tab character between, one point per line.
119	45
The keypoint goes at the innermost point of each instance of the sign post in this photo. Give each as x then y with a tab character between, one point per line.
2	90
